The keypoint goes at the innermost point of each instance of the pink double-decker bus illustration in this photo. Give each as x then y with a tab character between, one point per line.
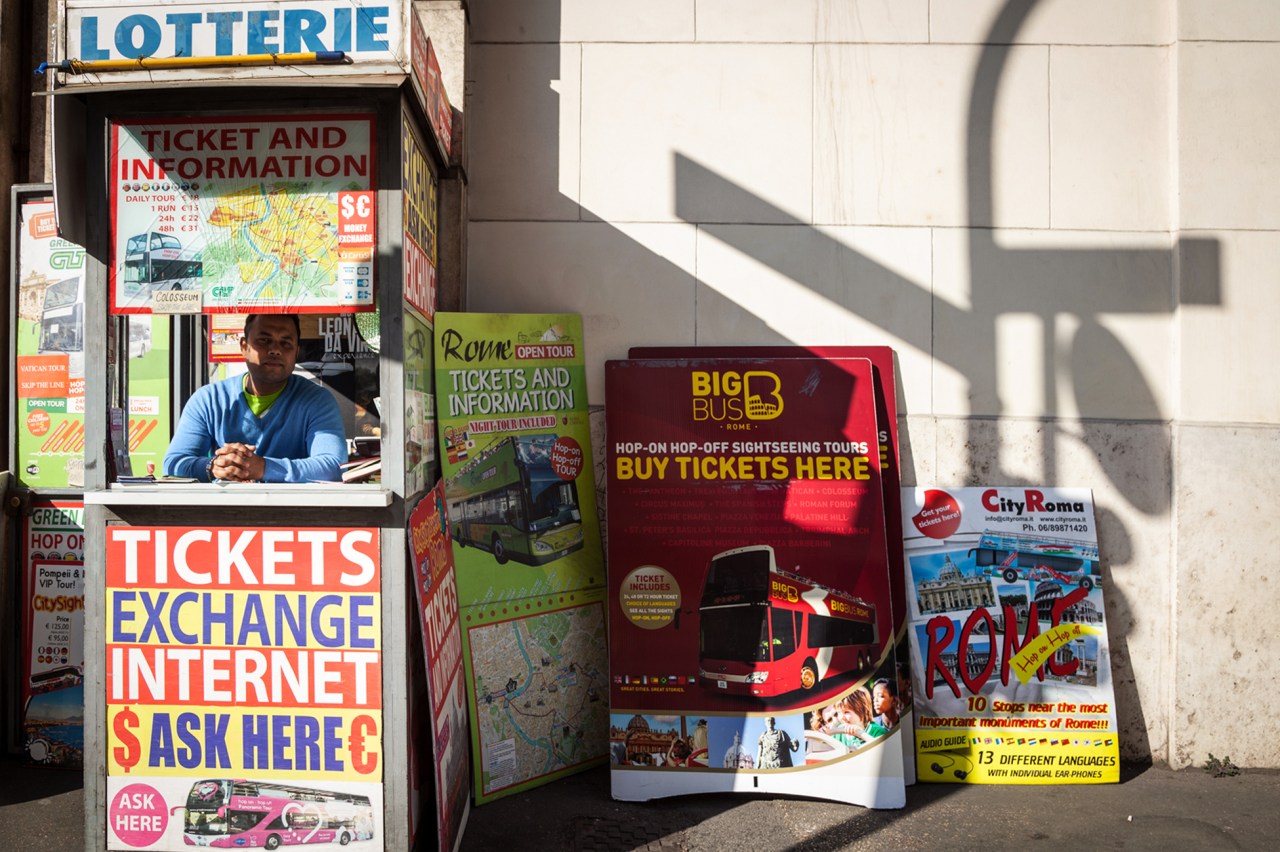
238	813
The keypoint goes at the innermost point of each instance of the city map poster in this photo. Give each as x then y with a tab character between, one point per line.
243	214
751	619
884	374
53	581
515	453
1013	681
243	678
436	590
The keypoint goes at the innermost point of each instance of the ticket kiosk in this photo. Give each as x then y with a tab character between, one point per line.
248	677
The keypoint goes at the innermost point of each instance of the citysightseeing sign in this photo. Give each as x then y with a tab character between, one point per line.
372	35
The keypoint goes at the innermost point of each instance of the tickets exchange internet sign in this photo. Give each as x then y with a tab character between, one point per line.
244	672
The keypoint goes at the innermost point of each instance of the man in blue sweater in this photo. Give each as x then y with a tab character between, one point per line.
265	426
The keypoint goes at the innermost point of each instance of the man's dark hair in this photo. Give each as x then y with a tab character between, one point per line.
297	324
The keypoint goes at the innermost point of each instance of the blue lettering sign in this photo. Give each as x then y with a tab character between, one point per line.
150	30
236	33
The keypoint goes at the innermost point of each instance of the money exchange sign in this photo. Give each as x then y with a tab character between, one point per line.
243	664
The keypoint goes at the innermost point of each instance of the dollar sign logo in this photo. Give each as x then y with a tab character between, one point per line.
363	760
128	753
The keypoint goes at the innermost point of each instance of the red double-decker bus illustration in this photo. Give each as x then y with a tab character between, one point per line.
765	632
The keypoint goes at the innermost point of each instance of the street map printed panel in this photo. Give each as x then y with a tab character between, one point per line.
242	214
541	689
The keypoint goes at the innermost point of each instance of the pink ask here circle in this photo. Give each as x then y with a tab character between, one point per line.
566	458
138	815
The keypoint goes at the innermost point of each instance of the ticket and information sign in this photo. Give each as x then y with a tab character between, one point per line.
243	214
515	448
1011	654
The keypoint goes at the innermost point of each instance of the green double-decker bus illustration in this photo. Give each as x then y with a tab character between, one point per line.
509	500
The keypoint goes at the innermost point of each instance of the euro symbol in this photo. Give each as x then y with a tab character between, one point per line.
362	760
126	755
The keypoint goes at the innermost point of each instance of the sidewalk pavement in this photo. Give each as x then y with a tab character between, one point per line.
1150	809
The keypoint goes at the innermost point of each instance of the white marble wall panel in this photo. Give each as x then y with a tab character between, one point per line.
1109	111
774	285
1228	20
1229	132
1014	238
894	144
632	284
893	21
756	20
1053	323
581	20
614	20
1228	343
718	133
1128	467
522	124
1054	22
1227	595
918	449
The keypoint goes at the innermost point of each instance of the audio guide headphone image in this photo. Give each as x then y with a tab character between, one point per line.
952	765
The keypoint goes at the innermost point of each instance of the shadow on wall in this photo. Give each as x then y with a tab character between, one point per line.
1080	285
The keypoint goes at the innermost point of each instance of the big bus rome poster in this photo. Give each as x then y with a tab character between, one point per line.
883	371
751	622
1009	644
515	444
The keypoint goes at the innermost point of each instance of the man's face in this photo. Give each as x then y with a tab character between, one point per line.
768	723
883	698
270	348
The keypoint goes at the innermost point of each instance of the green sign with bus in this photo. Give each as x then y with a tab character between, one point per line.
49	364
515	447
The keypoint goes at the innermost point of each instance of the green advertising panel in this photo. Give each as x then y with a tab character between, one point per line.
515	451
50	368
